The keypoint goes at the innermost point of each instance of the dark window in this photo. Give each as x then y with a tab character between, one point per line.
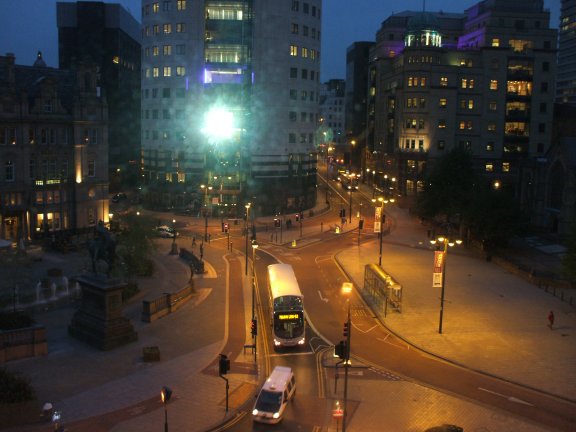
293	72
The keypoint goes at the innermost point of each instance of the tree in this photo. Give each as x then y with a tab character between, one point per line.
493	217
135	244
569	260
448	187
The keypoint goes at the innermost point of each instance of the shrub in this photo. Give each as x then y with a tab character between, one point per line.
14	387
15	320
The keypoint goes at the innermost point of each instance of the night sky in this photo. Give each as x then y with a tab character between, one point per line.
27	26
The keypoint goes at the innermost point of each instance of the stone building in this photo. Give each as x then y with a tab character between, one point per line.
53	150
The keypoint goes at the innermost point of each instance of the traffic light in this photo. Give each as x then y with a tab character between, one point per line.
254	327
301	216
165	394
224	364
226	227
342	213
277	222
340	349
361	224
297	217
346	331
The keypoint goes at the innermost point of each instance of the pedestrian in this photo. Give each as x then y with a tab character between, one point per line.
551	319
193	242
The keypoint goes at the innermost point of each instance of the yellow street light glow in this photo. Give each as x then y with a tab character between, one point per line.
219	123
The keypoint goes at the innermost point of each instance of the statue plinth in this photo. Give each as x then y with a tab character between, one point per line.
99	320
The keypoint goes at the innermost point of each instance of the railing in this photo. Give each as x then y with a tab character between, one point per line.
23	343
165	304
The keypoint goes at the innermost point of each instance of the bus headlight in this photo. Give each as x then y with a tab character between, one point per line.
255	412
276	415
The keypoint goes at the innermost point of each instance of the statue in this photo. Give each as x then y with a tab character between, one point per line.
102	247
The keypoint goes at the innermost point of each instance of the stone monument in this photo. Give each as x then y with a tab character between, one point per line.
99	320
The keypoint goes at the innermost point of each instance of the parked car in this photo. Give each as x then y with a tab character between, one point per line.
165	231
120	196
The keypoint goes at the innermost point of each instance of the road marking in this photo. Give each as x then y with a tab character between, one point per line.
324	299
509	398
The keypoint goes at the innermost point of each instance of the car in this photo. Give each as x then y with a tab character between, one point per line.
165	231
120	196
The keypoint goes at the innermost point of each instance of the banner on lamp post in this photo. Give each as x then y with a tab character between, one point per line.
377	219
438	267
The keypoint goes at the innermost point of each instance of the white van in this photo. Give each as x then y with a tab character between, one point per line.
271	402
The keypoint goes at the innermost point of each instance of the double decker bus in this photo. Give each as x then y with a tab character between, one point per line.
286	305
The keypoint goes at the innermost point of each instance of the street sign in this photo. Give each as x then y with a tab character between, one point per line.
377	219
438	267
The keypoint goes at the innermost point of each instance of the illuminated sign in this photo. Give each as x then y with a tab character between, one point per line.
292	316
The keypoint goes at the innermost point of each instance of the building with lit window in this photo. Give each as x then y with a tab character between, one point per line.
483	80
108	36
331	130
53	151
230	95
566	79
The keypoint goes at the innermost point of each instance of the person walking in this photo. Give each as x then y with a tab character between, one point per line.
551	320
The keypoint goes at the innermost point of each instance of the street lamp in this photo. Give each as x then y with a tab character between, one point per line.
439	275
379	224
254	247
174	250
165	394
246	233
346	291
205	188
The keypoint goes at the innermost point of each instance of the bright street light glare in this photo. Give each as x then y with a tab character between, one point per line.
219	123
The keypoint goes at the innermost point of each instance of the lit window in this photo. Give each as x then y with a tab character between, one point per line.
180	71
489	167
167	28
443	81
305	52
156	29
181	4
155	51
293	50
505	166
493	84
492	105
167	50
180	27
155	7
495	42
167	71
491	127
147	73
155	72
490	146
410	81
443	102
464	83
441	124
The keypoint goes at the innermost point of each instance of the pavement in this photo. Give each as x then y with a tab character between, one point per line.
494	322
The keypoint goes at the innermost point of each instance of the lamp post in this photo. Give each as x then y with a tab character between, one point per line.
440	267
346	291
350	209
246	233
165	394
254	247
174	250
379	225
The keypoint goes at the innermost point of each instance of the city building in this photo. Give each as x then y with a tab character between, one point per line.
357	58
108	36
53	150
330	133
483	80
566	79
230	93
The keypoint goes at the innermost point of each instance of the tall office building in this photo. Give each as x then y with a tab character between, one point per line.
106	35
230	95
566	78
483	81
357	57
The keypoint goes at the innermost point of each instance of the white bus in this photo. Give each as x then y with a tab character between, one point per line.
286	305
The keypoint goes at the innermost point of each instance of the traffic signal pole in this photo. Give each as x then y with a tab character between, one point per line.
347	331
